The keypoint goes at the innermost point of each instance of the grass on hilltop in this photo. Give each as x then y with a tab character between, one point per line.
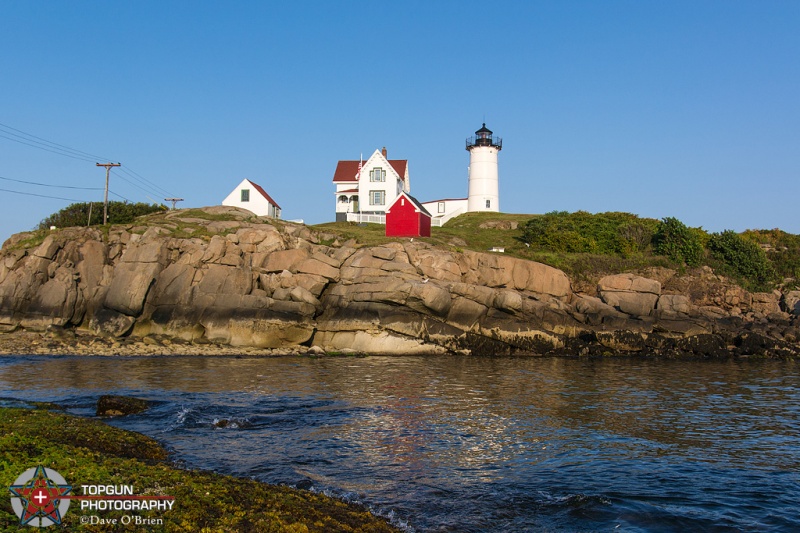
465	233
587	246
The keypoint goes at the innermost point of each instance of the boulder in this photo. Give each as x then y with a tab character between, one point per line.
173	285
630	294
791	302
674	304
111	405
508	301
48	249
628	283
284	260
130	285
317	267
766	302
594	310
222	279
90	267
499	224
540	279
436	264
54	303
630	303
433	297
109	323
465	313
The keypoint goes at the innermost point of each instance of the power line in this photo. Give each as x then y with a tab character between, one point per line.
136	175
51	144
46	149
31	140
119	196
41	195
142	188
54	186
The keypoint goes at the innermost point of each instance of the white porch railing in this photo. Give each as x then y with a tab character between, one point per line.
364	218
381	219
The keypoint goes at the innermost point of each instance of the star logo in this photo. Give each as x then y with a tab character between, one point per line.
39	497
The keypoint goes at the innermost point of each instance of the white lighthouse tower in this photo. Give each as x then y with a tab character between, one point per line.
484	192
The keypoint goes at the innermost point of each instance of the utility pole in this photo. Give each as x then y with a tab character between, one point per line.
174	201
105	200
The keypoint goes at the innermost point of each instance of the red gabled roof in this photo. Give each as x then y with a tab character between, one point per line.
264	194
347	170
399	166
416	203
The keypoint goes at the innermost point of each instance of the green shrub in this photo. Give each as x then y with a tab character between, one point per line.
783	250
679	243
581	232
742	258
118	213
636	236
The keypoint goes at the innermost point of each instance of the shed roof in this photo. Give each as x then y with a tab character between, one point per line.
413	200
263	193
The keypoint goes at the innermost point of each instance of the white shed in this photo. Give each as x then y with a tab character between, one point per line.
253	197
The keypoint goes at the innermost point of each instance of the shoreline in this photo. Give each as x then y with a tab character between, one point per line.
87	450
57	341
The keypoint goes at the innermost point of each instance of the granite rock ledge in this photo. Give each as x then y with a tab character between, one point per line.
254	284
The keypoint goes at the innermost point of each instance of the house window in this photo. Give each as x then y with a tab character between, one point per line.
377	174
441	207
488	204
343	199
245	195
377	197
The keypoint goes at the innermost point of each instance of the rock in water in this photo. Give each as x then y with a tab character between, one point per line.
110	405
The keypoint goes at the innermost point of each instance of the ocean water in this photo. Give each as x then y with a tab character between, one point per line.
472	444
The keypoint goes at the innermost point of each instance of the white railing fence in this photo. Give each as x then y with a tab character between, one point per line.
369	219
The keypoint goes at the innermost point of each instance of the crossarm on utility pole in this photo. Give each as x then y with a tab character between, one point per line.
174	201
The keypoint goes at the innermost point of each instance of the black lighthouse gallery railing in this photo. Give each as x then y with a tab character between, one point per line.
497	142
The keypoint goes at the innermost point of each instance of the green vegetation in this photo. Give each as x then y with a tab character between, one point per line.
782	249
464	232
581	232
741	258
588	246
118	213
199	213
678	242
87	451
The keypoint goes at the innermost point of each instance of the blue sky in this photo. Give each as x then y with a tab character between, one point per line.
685	109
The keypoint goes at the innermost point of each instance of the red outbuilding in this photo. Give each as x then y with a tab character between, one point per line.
406	217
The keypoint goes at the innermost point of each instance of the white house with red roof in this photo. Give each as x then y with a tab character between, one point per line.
366	189
251	196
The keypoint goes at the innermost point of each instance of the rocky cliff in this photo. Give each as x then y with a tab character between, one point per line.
228	278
